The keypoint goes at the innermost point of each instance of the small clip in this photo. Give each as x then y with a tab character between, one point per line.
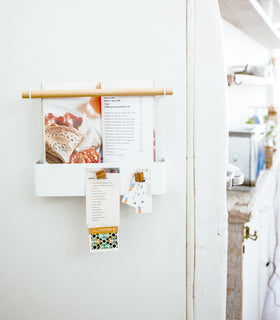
100	174
29	94
139	177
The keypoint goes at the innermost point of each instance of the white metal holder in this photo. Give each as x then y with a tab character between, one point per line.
68	180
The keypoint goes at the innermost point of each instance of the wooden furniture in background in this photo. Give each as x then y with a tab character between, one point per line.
249	262
235	257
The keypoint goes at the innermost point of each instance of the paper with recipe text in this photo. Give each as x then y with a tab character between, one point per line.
103	199
127	124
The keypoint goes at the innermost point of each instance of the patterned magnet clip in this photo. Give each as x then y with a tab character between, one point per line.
100	174
139	177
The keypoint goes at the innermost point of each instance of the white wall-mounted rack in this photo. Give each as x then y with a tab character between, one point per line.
68	180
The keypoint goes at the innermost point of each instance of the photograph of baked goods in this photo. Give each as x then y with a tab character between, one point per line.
72	130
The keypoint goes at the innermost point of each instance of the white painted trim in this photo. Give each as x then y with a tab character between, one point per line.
190	161
206	163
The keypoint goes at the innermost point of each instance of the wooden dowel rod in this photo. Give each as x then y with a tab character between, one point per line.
96	93
260	107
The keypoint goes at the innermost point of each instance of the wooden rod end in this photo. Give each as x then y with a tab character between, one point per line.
169	91
25	94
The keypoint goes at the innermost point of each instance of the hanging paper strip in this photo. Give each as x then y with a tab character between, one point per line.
103	208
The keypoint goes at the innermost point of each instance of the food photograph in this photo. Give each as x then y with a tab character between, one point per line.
72	130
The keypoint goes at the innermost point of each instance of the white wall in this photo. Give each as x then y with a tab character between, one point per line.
240	50
46	269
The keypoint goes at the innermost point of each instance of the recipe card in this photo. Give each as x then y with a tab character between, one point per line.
103	208
103	198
